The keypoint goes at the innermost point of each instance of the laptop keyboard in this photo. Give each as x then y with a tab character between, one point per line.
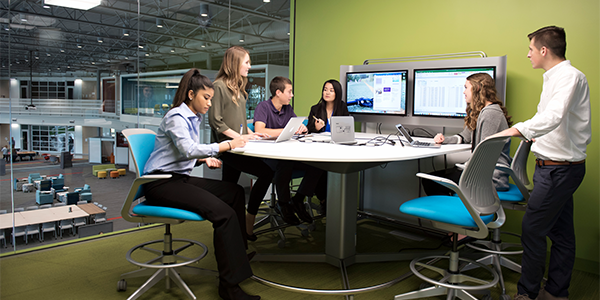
422	144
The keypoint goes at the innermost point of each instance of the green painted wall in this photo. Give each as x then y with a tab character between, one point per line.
346	32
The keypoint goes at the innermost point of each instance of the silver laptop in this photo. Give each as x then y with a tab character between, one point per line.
287	133
412	142
342	130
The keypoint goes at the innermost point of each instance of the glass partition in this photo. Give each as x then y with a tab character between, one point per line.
72	79
151	94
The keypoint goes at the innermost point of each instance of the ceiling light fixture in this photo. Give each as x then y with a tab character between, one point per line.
100	40
242	38
159	23
125	32
172	50
79	46
266	1
204	10
76	4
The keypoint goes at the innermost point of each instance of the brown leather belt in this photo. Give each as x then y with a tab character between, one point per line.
541	162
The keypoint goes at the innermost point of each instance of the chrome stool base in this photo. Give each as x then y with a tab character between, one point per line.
167	264
451	282
496	249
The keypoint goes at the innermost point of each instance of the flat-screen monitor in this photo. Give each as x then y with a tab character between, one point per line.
439	92
376	92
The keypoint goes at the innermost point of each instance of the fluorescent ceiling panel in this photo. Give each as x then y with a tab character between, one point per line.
77	4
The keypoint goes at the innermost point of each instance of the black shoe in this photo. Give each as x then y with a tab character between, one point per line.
300	210
234	293
323	208
251	237
287	214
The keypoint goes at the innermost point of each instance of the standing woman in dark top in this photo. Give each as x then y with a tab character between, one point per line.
331	104
227	119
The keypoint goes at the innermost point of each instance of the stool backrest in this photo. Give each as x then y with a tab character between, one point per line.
141	145
519	163
476	180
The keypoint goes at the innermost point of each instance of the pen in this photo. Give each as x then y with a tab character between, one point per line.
241	129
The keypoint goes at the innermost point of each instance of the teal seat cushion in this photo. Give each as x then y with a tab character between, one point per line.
512	195
445	209
166	212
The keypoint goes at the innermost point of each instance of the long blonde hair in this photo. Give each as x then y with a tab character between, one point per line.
229	72
483	89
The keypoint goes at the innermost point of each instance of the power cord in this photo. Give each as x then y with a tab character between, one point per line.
428	133
380	141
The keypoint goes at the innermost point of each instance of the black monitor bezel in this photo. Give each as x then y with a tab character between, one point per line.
414	83
383	113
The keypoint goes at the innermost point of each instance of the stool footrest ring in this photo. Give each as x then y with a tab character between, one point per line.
330	292
158	261
492	251
454	278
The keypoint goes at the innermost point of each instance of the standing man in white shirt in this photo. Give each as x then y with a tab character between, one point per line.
561	130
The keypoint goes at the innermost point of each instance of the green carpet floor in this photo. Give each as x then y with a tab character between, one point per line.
91	269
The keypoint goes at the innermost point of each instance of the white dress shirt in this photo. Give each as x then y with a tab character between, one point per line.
562	124
178	143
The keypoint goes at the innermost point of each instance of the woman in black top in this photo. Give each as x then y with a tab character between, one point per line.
331	104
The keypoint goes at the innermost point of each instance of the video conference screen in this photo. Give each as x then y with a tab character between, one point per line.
376	92
439	92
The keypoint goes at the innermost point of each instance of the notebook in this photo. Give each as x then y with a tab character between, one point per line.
287	133
412	142
342	130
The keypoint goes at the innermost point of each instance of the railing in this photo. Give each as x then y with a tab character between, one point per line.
56	107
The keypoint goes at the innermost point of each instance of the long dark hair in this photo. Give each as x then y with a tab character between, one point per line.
192	81
337	102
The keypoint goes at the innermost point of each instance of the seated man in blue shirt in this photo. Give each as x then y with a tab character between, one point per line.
270	117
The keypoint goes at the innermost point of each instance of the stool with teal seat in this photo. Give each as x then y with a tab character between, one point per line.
169	262
473	212
514	199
